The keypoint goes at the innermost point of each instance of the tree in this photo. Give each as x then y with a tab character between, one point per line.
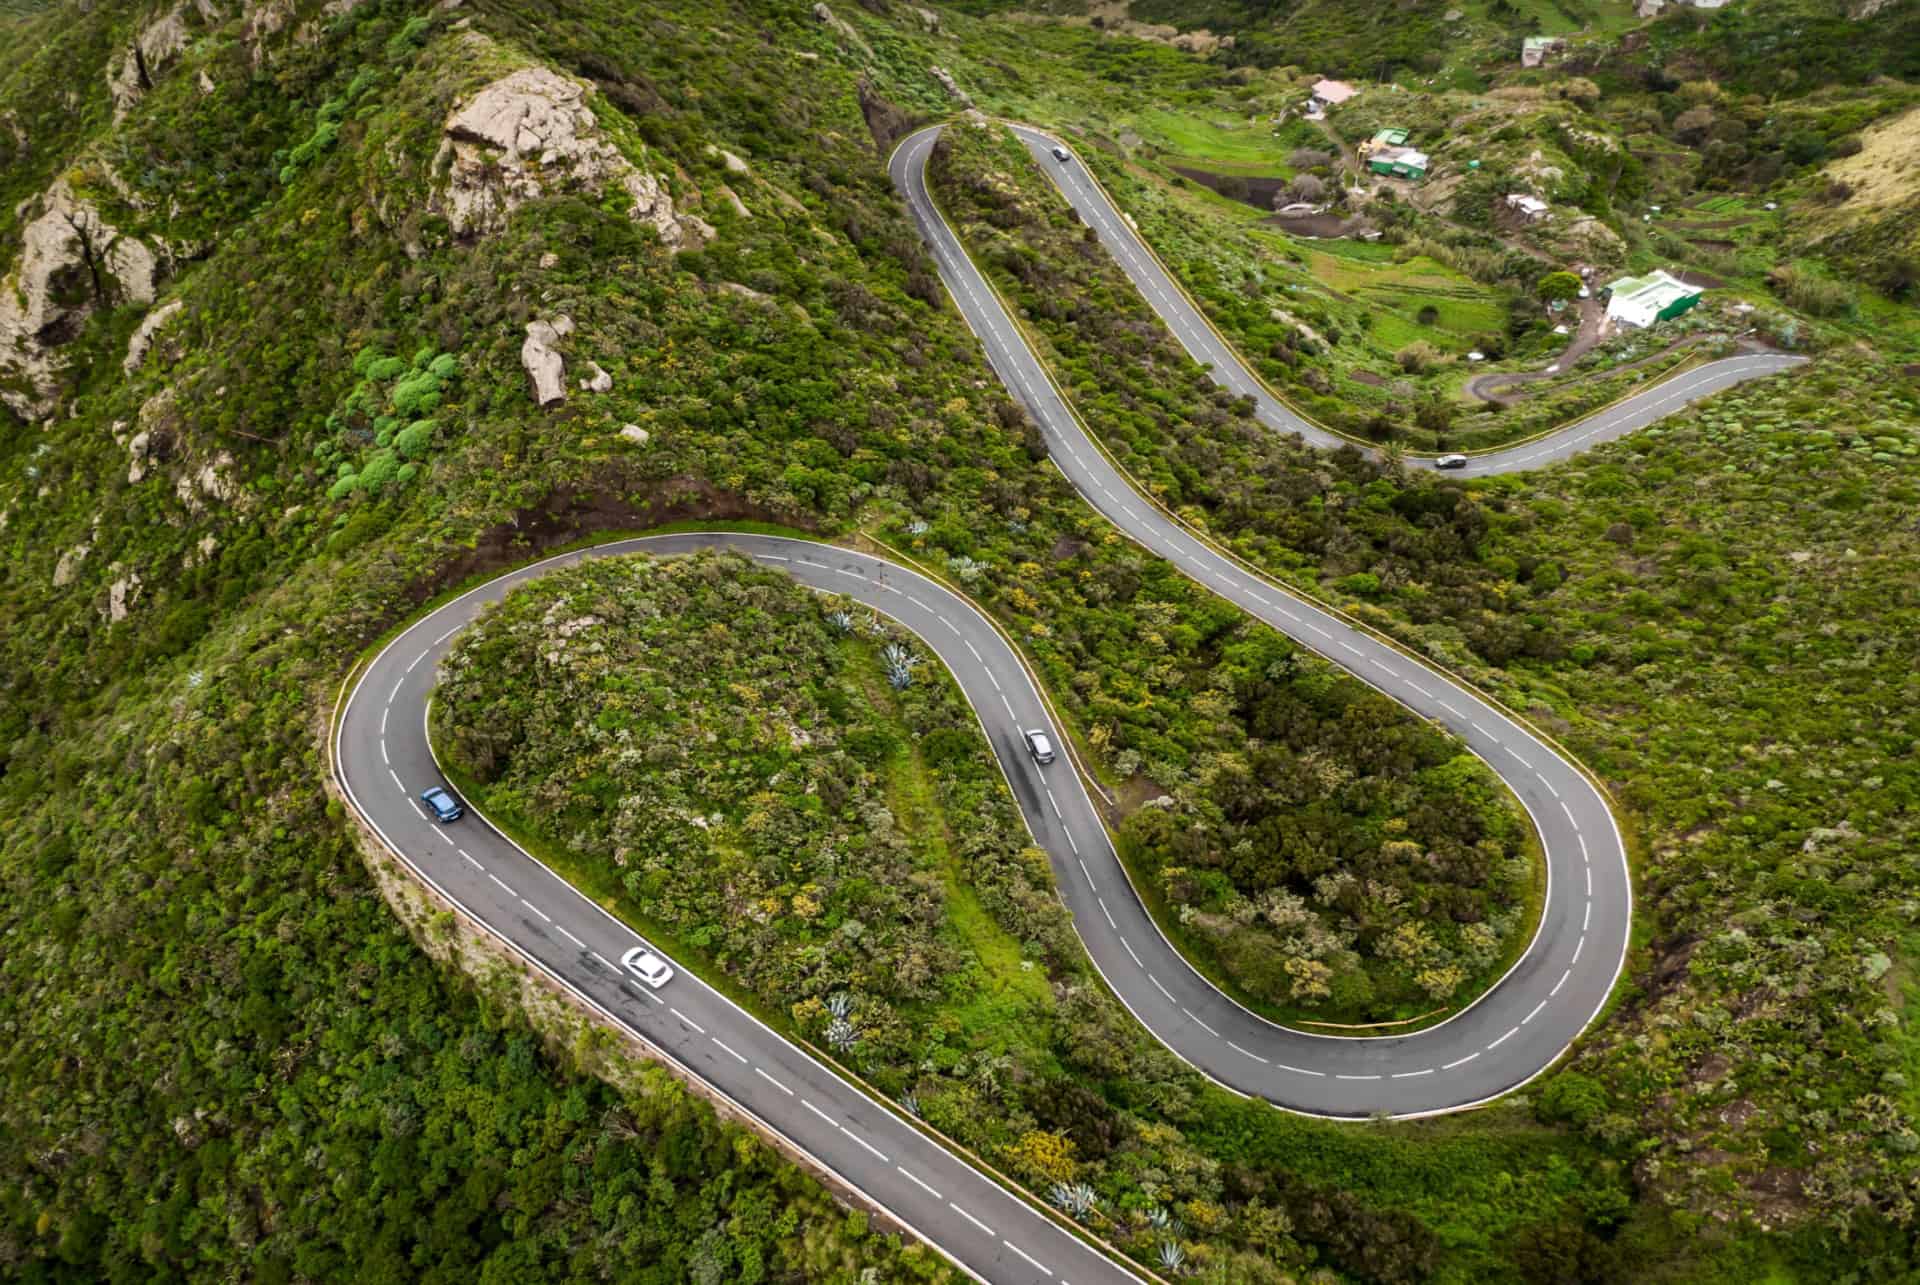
1557	286
1691	125
1434	415
1305	187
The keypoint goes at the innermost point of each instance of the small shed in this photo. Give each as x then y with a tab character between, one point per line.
1535	51
1398	162
1530	208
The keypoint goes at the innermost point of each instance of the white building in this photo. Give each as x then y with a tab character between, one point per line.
1331	93
1531	208
1658	296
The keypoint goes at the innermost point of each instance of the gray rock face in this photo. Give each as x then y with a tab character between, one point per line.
543	362
142	339
842	30
634	433
531	133
947	83
597	382
71	262
122	593
159	43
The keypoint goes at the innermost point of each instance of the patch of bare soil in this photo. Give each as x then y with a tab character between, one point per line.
1367	377
1706	281
1256	190
1315	225
1133	794
570	514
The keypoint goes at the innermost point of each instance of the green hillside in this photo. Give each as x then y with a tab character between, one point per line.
296	335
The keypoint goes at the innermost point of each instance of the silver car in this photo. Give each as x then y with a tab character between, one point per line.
1038	745
1451	461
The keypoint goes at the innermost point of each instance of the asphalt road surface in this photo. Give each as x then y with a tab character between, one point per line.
1517	1028
1205	345
383	761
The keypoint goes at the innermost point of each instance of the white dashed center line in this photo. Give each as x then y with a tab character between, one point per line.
970	1218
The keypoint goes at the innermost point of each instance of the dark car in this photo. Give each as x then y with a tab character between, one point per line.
1062	155
1451	461
444	805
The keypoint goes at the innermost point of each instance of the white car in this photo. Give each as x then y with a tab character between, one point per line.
1038	745
1451	461
1062	155
647	966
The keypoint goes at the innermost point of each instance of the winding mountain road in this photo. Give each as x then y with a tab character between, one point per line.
1205	345
382	759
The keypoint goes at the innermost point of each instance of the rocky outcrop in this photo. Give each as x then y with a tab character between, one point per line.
842	32
71	262
122	593
131	75
212	481
953	89
69	564
634	433
542	359
260	21
530	134
597	380
1590	239
142	339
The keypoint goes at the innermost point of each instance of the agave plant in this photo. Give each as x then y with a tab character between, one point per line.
1158	1218
900	665
842	621
1076	1198
840	1004
1172	1257
841	1035
910	1103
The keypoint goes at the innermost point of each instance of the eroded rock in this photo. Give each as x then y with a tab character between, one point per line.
122	593
840	28
530	134
634	433
71	262
142	339
952	87
542	359
598	381
69	564
130	76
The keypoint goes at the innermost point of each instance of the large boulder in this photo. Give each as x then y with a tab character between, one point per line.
540	355
71	262
530	134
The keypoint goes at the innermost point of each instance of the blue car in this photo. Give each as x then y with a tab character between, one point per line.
444	805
